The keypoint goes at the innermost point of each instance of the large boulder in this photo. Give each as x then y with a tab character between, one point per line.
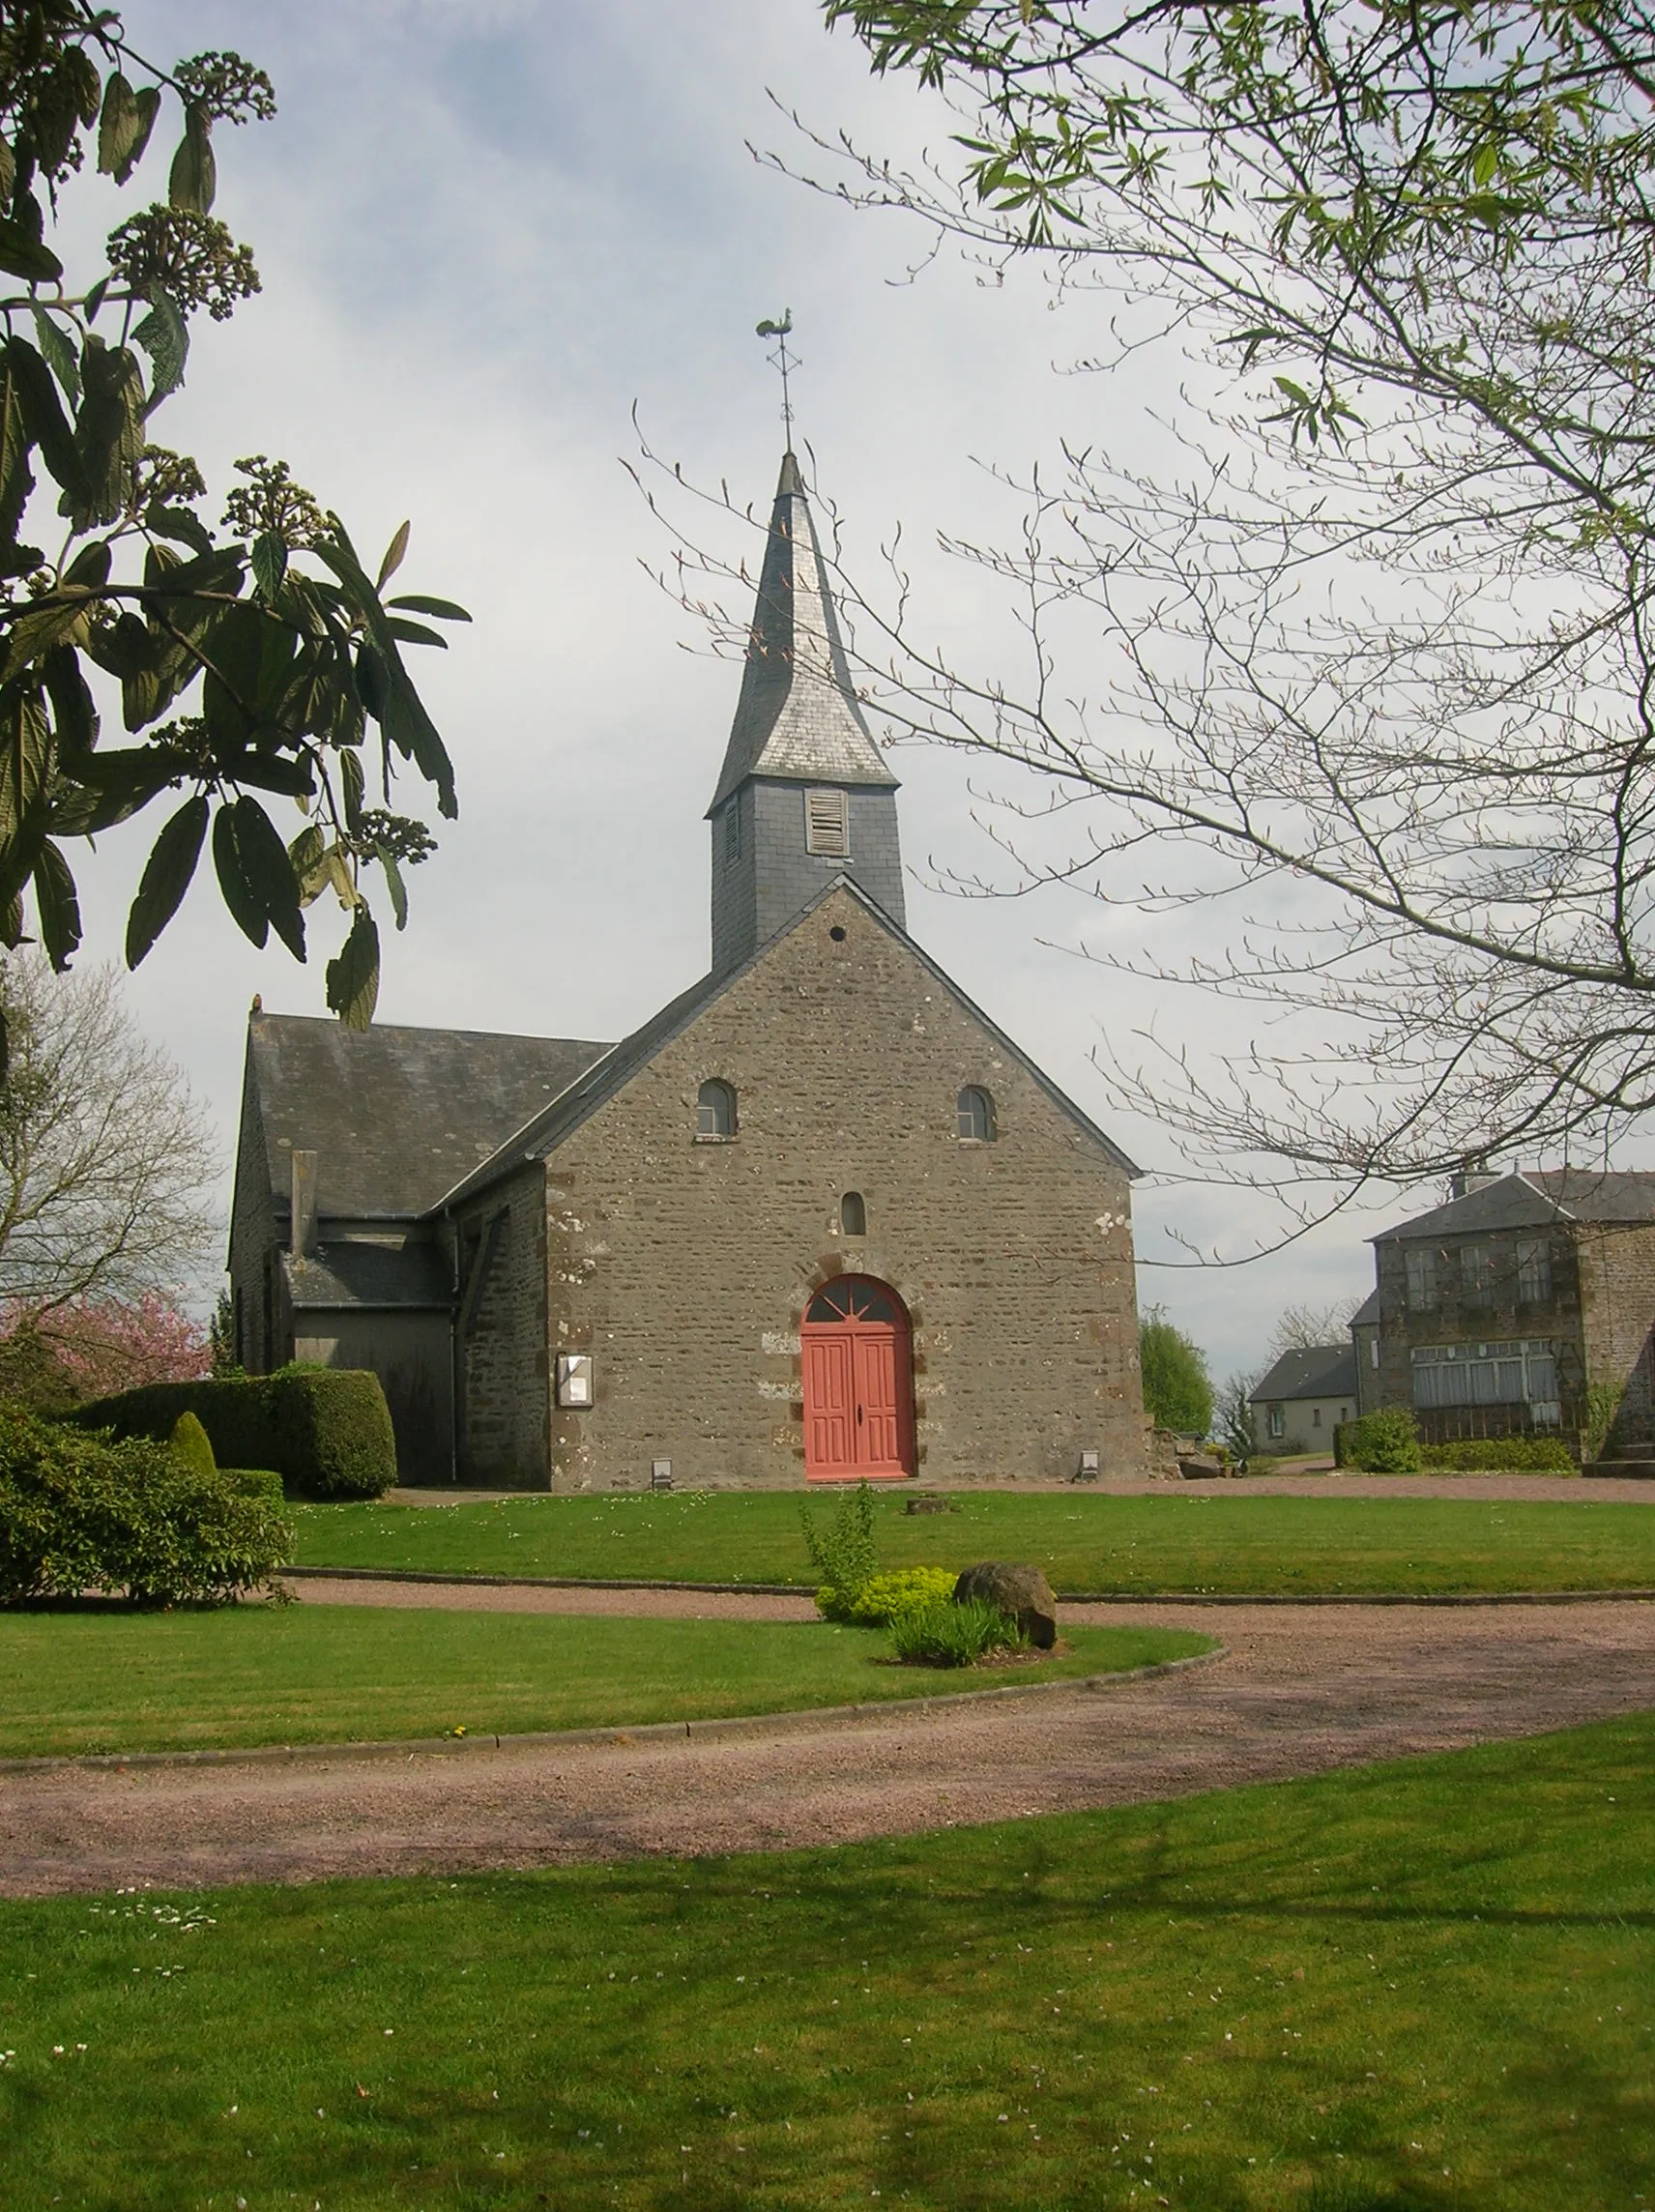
1022	1593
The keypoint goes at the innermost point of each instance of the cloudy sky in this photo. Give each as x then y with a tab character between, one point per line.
488	231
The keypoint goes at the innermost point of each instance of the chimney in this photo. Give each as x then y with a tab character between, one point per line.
303	1218
1474	1177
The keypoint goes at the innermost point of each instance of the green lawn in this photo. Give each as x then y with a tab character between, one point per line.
251	1674
1154	1545
1427	1987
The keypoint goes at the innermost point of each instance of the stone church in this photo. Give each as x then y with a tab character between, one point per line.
819	1219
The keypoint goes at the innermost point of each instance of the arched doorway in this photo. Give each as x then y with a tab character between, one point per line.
859	1382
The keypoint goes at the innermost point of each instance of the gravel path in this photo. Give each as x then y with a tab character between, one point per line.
1302	1690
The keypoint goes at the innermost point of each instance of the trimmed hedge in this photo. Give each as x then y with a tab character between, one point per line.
325	1430
256	1482
79	1512
1501	1455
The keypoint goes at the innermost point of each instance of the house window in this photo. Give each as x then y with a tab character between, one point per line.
853	1214
1316	1416
1344	1415
1534	1271
827	828
1372	1352
1523	1372
1478	1274
733	833
1421	1265
1277	1420
975	1109
715	1111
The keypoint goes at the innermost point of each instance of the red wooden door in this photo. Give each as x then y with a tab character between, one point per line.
830	1405
858	1418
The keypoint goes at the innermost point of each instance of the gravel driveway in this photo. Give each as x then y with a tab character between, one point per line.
1302	1689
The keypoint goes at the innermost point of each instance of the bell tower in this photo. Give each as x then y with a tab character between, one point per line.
805	793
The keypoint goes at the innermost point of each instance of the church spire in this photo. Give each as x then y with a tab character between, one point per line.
799	715
804	793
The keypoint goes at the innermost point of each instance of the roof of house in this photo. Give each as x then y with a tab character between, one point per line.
1319	1371
799	717
1535	1198
601	1082
396	1117
363	1274
1367	1313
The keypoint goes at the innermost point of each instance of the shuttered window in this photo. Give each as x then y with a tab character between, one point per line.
827	827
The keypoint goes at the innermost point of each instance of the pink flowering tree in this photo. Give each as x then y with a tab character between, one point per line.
100	1346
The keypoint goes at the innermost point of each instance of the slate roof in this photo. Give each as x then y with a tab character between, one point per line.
1535	1199
798	718
605	1081
361	1274
396	1116
1367	1313
1323	1371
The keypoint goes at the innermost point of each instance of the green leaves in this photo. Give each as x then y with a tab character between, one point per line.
248	669
124	127
352	978
394	554
57	904
193	180
21	255
166	338
167	877
59	353
269	563
43	421
422	604
110	435
256	875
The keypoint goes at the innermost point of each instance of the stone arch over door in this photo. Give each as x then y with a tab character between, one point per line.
856	1354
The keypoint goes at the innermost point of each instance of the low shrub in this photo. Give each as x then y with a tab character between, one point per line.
256	1482
1384	1443
326	1431
85	1512
1501	1455
943	1634
882	1599
843	1554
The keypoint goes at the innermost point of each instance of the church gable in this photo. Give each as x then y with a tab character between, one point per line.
682	1255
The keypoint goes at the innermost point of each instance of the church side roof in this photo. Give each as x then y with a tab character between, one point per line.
798	719
396	1116
348	1274
605	1081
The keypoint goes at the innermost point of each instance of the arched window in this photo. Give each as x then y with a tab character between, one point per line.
715	1111
976	1111
853	1214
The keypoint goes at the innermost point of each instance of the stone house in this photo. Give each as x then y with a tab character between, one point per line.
1492	1315
1302	1400
817	1219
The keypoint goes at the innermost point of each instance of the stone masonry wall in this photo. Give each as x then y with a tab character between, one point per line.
503	1399
684	1266
1617	1303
